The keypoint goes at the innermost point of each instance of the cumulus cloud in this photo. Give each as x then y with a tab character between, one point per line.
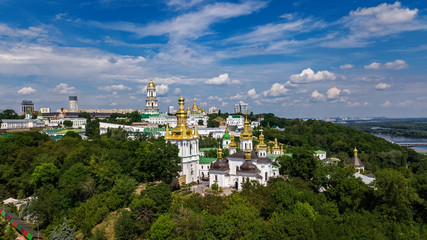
214	98
386	104
347	66
382	86
238	96
289	84
333	93
110	88
318	97
347	91
252	93
396	65
63	88
276	90
222	79
162	89
385	14
308	75
26	90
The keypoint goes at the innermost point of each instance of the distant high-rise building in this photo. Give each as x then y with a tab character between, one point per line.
72	103
27	106
171	110
213	110
241	107
151	106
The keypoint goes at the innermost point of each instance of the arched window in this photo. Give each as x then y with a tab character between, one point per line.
266	175
216	178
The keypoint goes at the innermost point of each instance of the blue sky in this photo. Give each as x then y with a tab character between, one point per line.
308	58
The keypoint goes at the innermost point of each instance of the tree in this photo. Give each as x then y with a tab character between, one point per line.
43	174
213	123
158	161
200	122
65	233
302	163
162	229
68	123
124	228
72	134
9	114
395	194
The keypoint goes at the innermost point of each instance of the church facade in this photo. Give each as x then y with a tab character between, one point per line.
244	165
187	141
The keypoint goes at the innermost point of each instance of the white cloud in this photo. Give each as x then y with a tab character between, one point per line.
357	104
406	103
385	14
289	84
347	66
189	25
63	88
382	86
333	93
252	93
386	104
110	88
373	65
238	96
177	91
113	104
214	98
183	4
308	75
396	65
162	89
346	91
222	79
367	23
276	90
318	97
26	90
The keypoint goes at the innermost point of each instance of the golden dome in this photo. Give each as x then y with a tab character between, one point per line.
246	134
232	143
181	131
194	108
276	146
151	84
261	144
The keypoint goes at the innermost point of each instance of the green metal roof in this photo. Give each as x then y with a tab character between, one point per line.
226	136
236	116
6	135
57	137
205	160
206	149
145	115
319	152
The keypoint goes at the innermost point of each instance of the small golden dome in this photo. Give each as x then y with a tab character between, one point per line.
151	84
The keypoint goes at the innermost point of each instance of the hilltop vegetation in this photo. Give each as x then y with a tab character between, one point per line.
85	181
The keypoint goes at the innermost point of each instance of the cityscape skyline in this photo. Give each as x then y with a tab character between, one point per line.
299	59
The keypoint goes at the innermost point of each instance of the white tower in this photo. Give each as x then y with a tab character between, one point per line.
188	144
246	138
225	139
261	147
151	106
72	103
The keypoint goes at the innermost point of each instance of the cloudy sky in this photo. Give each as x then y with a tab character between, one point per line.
307	58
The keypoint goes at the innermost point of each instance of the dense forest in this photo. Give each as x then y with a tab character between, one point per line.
80	185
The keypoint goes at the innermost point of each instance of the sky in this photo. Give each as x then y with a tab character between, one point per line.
306	58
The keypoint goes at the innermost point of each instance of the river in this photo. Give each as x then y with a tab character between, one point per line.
421	149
